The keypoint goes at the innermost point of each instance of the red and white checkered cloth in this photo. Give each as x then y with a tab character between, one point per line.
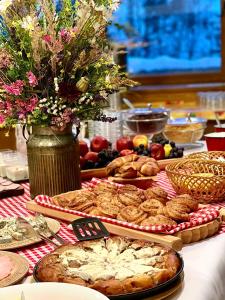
16	206
196	218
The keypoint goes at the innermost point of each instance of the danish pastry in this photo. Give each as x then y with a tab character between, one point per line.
151	206
131	214
177	211
156	193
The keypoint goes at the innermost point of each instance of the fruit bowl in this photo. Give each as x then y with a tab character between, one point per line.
204	180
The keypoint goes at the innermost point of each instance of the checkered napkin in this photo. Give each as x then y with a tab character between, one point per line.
199	217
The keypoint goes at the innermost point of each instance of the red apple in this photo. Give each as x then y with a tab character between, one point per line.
83	147
125	142
93	156
157	151
82	162
126	152
99	143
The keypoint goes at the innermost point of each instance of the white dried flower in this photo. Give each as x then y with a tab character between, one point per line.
4	4
43	100
56	84
28	23
103	94
115	4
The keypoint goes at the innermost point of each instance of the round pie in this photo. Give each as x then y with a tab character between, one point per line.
113	266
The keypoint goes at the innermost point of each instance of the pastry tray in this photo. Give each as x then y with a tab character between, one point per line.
161	288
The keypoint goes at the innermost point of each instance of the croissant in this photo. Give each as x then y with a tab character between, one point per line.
149	169
119	162
130	173
135	165
145	159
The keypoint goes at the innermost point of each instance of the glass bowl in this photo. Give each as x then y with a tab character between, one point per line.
185	130
147	121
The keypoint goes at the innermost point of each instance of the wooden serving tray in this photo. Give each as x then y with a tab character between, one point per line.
174	241
169	240
140	182
101	173
88	174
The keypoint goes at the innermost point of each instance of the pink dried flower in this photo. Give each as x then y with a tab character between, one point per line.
33	102
65	35
47	38
75	29
5	59
25	107
62	121
2	119
15	88
21	115
8	106
32	79
67	115
57	47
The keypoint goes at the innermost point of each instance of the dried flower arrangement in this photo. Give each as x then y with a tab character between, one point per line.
56	67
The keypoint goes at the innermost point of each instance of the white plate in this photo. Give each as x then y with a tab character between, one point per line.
50	290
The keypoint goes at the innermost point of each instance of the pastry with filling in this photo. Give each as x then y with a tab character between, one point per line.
114	266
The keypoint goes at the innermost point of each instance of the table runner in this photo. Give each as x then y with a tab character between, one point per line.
15	206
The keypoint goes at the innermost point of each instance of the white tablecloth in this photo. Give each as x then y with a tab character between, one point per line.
204	270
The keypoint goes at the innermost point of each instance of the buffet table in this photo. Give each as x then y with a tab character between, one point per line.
204	261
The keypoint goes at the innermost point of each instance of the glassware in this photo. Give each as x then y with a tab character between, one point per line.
111	131
148	121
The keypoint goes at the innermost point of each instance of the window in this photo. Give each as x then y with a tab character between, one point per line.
169	37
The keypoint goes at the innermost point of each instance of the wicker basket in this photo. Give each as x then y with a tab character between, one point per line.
204	180
208	155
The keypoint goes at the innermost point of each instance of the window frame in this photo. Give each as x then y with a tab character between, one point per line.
191	77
